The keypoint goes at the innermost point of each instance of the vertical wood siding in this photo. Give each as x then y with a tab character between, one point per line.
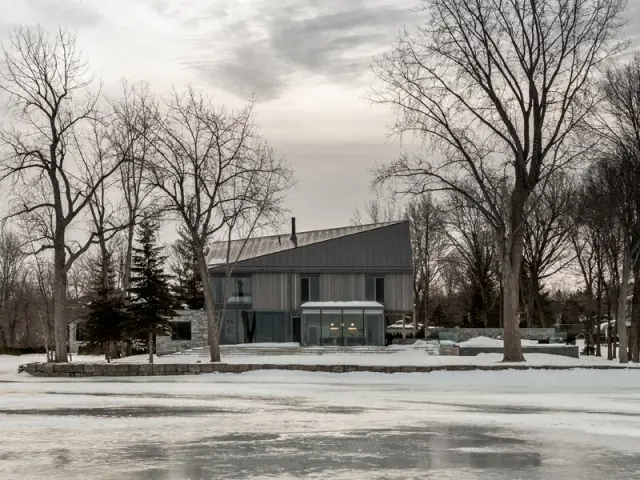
398	291
271	291
341	287
281	291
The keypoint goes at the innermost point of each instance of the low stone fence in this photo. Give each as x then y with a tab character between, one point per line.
135	370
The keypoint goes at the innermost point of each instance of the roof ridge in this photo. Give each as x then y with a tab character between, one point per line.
278	235
254	247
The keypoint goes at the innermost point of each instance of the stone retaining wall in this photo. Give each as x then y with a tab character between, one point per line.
134	370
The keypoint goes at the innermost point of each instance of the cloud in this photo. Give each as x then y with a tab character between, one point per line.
75	13
264	48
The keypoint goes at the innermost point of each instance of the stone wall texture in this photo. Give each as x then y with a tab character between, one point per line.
135	370
198	319
563	350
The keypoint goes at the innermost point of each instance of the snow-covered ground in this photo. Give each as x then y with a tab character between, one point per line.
493	342
398	355
276	424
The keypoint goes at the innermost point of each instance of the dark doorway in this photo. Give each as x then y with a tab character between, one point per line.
297	330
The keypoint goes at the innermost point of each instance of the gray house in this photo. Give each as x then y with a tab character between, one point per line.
325	287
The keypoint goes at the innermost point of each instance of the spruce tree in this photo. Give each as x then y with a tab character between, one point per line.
187	288
151	299
107	318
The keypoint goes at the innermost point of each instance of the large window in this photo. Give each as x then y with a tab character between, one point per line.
236	290
312	333
342	327
373	328
181	331
374	289
248	326
353	328
80	332
309	289
332	326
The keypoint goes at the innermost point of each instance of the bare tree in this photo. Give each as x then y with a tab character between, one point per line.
586	242
13	275
498	90
213	168
621	126
546	240
134	124
474	242
50	103
429	242
379	210
605	199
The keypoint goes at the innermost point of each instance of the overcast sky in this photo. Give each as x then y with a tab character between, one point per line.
307	61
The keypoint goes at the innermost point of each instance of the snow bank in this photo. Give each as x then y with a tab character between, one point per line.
491	342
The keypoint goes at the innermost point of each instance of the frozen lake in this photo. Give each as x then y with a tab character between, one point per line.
462	425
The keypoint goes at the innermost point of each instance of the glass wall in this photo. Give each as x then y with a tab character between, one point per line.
373	327
311	334
236	290
332	327
247	326
270	327
342	327
353	328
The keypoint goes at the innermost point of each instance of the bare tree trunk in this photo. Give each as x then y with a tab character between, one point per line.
45	335
622	303
426	303
635	314
512	341
213	329
60	301
610	354
501	304
150	346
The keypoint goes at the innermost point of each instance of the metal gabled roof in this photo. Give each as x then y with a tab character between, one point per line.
245	249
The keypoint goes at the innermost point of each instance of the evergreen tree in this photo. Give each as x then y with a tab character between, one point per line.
106	321
187	289
152	302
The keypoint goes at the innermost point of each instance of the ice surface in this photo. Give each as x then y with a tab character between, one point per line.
276	424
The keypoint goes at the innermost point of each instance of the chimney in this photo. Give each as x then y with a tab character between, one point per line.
294	237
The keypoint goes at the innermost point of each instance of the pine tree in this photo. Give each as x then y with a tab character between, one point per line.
106	321
152	302
188	286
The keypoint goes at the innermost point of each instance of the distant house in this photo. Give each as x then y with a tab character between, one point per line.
326	287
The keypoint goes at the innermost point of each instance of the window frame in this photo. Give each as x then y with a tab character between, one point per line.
310	280
174	331
378	293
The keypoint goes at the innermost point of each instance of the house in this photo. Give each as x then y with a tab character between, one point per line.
339	286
